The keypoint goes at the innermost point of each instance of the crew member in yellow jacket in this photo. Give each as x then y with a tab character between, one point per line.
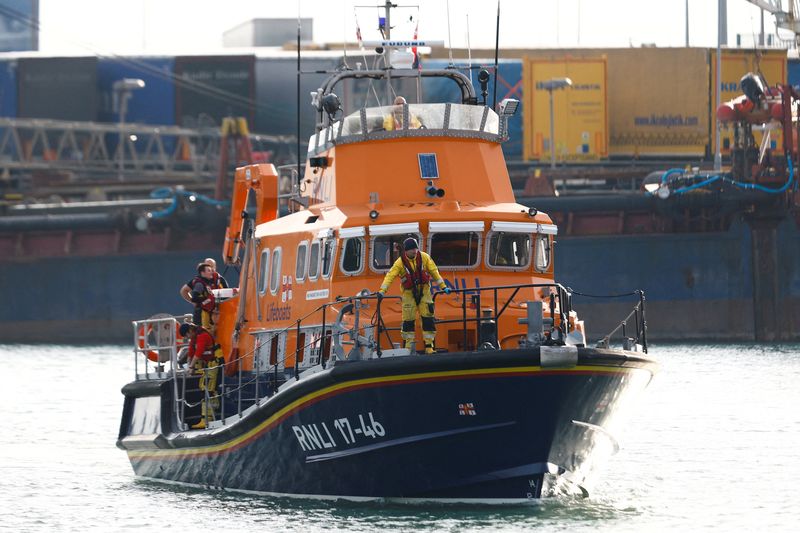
417	271
394	120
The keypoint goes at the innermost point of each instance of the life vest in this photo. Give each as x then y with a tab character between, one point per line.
414	278
215	281
211	347
206	300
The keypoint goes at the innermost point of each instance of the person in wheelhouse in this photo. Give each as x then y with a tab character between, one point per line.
417	272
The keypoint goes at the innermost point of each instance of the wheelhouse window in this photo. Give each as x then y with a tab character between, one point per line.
328	251
275	273
263	273
353	256
386	249
509	250
300	266
313	261
542	253
455	250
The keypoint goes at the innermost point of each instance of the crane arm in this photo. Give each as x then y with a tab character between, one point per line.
784	18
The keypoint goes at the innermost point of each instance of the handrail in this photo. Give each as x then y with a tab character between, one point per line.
561	294
640	322
558	303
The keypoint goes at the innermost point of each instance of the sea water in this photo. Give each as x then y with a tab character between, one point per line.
713	444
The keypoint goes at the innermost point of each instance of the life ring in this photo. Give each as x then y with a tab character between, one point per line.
145	332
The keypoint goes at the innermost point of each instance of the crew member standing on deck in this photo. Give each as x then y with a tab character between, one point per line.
197	291
205	358
417	271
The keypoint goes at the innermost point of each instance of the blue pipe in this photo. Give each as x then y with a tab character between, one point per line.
688	188
670	172
740	184
167	192
762	188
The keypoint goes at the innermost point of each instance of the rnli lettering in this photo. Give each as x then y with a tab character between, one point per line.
312	437
278	312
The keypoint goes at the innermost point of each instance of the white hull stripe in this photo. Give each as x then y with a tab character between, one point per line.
330	497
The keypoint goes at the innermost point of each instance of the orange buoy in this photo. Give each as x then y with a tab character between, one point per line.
144	333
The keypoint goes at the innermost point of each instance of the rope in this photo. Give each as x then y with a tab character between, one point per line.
620	295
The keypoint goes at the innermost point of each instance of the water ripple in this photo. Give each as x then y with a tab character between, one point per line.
713	445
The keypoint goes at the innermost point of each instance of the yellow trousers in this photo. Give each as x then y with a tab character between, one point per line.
209	373
425	310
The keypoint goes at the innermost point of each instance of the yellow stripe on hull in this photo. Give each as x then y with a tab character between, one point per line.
388	380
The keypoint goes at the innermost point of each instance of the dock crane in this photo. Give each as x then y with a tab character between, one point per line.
785	18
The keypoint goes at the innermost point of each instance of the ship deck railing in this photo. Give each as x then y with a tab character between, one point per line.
242	391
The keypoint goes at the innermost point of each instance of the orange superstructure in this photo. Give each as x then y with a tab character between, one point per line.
363	191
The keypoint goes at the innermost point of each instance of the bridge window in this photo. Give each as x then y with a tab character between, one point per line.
386	249
263	272
328	252
275	278
353	256
313	261
300	267
542	257
508	251
455	250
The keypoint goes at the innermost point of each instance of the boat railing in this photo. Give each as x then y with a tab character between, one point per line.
556	299
548	313
632	330
155	346
245	390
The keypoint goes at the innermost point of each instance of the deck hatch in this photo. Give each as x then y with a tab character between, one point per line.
428	166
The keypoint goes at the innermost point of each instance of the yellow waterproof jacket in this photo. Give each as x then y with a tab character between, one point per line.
398	269
390	123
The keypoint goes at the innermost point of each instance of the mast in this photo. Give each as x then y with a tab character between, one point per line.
387	35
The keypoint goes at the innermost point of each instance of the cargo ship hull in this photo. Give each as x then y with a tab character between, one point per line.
700	286
412	429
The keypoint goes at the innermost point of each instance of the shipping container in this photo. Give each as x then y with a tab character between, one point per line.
8	88
63	88
154	104
19	25
509	85
735	64
658	99
580	113
658	102
276	93
209	88
794	72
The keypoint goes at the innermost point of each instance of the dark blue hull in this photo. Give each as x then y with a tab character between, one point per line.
491	427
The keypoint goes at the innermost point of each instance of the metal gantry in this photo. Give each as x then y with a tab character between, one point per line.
785	17
90	149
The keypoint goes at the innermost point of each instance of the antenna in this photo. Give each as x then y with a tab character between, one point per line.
469	51
496	54
299	174
449	40
344	38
